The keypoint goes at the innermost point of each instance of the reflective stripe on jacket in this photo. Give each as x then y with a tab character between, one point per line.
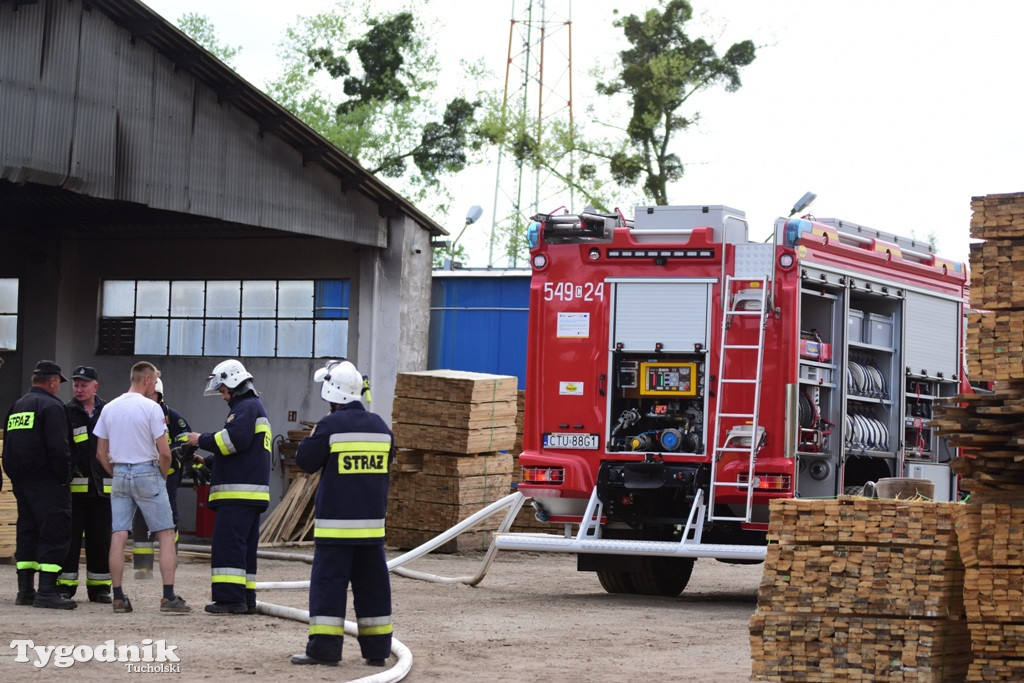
241	462
351	448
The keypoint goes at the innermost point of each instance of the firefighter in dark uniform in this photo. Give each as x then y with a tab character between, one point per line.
90	494
177	439
352	449
240	488
38	461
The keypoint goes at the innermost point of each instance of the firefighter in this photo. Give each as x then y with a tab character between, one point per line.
90	494
37	459
352	448
240	488
177	438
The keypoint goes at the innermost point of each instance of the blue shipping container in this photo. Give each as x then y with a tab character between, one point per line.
478	321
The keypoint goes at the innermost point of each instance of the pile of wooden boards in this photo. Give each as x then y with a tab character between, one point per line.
8	515
433	491
859	589
990	527
292	520
454	411
995	328
450	425
989	430
991	541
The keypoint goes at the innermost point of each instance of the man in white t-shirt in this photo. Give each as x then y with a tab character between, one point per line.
132	446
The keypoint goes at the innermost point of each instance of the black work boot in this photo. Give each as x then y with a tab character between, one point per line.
26	587
47	595
100	594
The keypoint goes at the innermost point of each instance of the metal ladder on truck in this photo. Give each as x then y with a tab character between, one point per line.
751	298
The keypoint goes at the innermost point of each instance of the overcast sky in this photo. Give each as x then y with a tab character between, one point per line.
894	113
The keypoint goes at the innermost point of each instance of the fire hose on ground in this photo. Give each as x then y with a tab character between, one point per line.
514	502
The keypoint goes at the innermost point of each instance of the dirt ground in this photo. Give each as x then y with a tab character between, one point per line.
533	617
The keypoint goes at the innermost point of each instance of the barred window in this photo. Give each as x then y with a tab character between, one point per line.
8	314
246	318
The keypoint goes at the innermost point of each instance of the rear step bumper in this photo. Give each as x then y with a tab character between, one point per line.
606	546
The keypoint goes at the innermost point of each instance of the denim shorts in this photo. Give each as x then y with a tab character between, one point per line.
140	486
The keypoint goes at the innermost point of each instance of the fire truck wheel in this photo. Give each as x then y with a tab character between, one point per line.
616	582
665	576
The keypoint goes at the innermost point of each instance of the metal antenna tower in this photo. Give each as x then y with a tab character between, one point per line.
538	95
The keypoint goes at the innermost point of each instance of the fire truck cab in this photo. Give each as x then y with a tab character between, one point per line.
681	376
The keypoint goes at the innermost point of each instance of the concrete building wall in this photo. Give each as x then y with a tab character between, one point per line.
127	152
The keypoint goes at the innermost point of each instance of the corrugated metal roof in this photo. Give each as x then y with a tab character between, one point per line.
100	136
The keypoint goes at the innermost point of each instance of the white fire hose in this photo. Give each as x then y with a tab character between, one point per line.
513	501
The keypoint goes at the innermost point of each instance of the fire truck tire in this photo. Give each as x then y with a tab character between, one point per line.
665	576
616	582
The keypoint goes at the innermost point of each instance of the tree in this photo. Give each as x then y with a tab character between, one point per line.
199	28
367	86
662	70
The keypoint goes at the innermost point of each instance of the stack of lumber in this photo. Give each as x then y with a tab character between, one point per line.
517	446
8	515
860	589
433	491
995	329
989	428
990	537
292	519
454	411
451	426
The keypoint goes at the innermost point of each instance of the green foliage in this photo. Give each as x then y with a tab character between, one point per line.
368	86
442	254
659	73
199	28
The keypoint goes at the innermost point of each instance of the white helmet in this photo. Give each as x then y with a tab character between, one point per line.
229	373
342	382
159	388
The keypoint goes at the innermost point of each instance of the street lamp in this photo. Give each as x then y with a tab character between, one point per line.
803	203
472	216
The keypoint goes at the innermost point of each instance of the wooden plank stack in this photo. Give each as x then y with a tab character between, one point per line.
442	492
8	515
989	428
990	431
995	329
454	411
292	520
451	426
860	589
991	540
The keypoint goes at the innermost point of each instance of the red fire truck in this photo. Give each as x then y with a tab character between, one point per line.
680	376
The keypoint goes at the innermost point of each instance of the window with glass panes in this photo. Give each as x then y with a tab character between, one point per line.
247	318
8	314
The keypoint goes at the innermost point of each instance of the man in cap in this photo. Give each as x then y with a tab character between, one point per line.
38	462
352	449
90	493
240	489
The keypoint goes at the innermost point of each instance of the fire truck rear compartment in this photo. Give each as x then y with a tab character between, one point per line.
666	499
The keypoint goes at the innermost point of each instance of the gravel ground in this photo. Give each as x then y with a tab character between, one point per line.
533	617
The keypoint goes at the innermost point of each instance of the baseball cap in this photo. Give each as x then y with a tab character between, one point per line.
85	372
48	367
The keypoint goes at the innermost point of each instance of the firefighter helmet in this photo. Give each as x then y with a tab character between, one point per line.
229	373
342	383
159	388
